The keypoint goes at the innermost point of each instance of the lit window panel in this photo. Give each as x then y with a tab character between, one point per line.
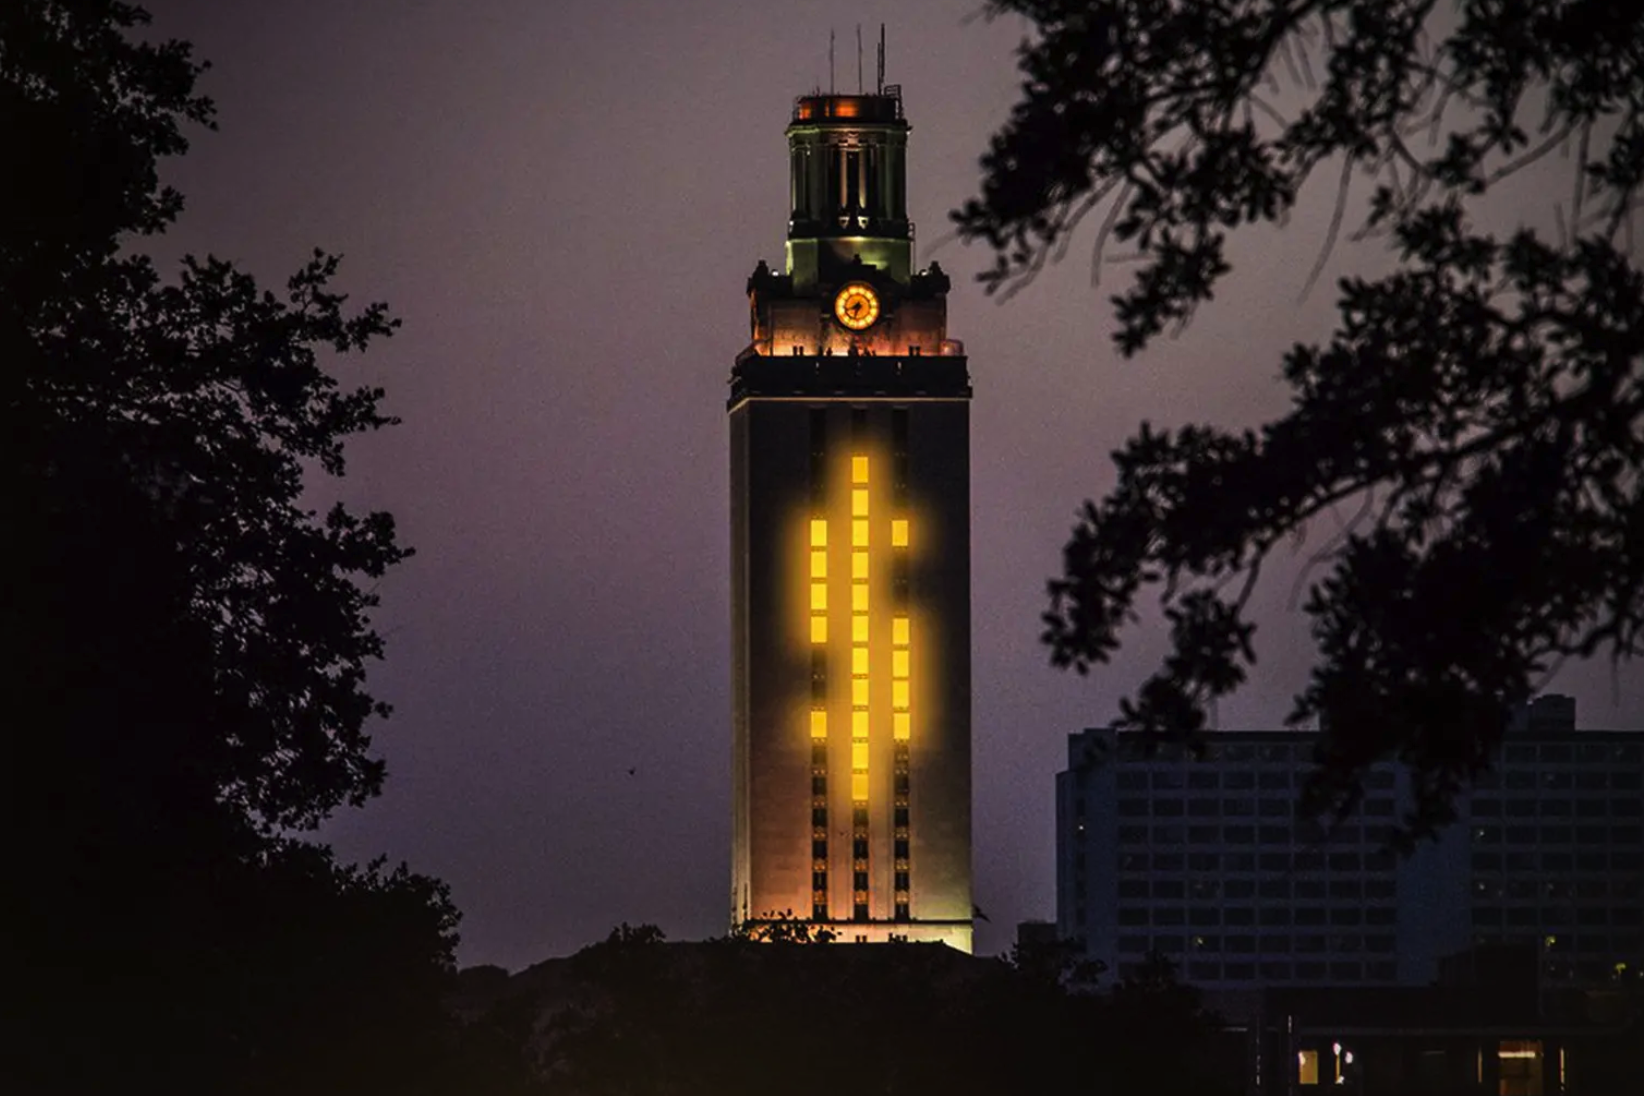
859	566
901	632
859	502
819	723
819	597
859	533
859	661
859	692
859	628
819	629
859	469
859	756
901	726
899	694
859	598
899	663
819	533
859	724
819	564
899	533
859	787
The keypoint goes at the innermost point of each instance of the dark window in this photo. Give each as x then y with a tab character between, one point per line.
1167	835
1381	971
1168	915
1275	944
1240	971
1203	778
1203	808
1276	972
1486	915
1273	781
1521	835
1273	808
1204	972
1275	888
1133	944
1310	972
1239	861
1131	780
1379	779
1486	861
1346	915
1132	915
1380	915
1168	888
1347	972
1133	888
1169	943
1275	861
1239	808
1201	835
1239	835
1627	808
1379	808
1205	889
1132	808
1486	807
1275	916
1167	861
1243	944
1132	835
1203	861
1239	780
1239	915
1344	861
1275	835
1204	915
1167	778
1344	888
1380	888
1555	835
1309	888
1167	808
1555	808
1310	915
1239	888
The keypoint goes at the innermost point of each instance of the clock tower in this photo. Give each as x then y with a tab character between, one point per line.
850	541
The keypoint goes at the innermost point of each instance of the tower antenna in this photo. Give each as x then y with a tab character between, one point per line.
830	60
881	84
859	58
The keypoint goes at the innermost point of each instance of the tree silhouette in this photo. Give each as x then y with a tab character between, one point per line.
1481	408
190	642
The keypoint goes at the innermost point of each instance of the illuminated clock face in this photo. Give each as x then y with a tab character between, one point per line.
857	306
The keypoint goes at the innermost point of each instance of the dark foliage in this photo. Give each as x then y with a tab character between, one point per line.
639	1015
186	642
1481	409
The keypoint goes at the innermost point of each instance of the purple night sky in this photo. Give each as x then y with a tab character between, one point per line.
562	200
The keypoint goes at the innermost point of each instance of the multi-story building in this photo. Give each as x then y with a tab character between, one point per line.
850	541
1205	862
1555	839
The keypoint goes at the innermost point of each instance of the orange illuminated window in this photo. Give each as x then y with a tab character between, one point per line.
859	786
819	629
859	469
859	724
859	755
899	663
899	533
859	502
899	694
859	598
859	534
819	533
900	631
859	628
819	564
859	661
859	566
819	597
859	692
819	723
901	726
1307	1067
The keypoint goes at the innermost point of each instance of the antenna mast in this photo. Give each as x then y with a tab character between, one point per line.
830	60
881	85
